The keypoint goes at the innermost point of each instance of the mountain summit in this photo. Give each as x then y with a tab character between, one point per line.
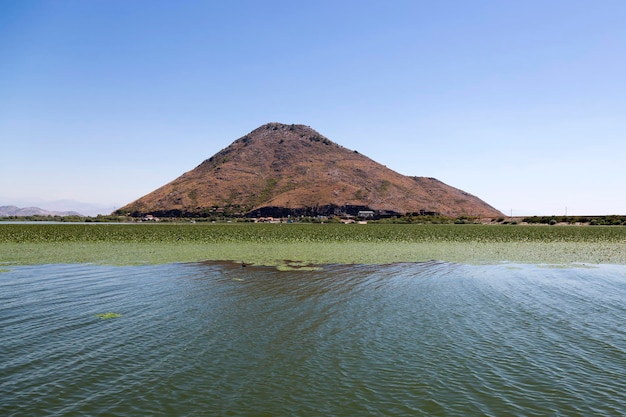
280	169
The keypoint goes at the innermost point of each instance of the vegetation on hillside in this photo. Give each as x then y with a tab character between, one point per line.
234	216
277	169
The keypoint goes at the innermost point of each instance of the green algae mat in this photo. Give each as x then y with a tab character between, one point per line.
302	245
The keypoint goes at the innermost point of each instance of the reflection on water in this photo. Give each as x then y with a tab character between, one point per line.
220	339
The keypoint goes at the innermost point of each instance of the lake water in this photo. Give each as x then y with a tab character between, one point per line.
217	339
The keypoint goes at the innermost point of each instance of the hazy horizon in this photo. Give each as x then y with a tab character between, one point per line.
94	209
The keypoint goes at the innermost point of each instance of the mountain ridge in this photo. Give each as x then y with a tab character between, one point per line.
6	211
280	169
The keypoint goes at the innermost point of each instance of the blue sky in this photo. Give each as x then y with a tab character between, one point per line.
520	103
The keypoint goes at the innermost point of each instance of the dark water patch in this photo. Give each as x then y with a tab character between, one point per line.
223	339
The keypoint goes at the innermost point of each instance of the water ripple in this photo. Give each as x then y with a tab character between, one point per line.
405	339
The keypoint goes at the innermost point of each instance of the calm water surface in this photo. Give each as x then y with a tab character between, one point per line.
397	340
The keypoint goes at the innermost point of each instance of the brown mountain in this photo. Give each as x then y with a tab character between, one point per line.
281	169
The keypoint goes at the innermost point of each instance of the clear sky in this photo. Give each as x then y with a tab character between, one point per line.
521	103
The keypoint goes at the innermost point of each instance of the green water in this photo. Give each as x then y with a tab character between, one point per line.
275	244
432	338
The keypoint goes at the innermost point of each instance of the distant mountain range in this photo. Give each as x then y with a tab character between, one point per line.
66	205
279	169
6	211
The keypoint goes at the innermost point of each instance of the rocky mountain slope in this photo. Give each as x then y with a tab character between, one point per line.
280	169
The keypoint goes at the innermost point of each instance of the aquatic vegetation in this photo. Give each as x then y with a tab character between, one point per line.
298	266
106	316
294	233
307	245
